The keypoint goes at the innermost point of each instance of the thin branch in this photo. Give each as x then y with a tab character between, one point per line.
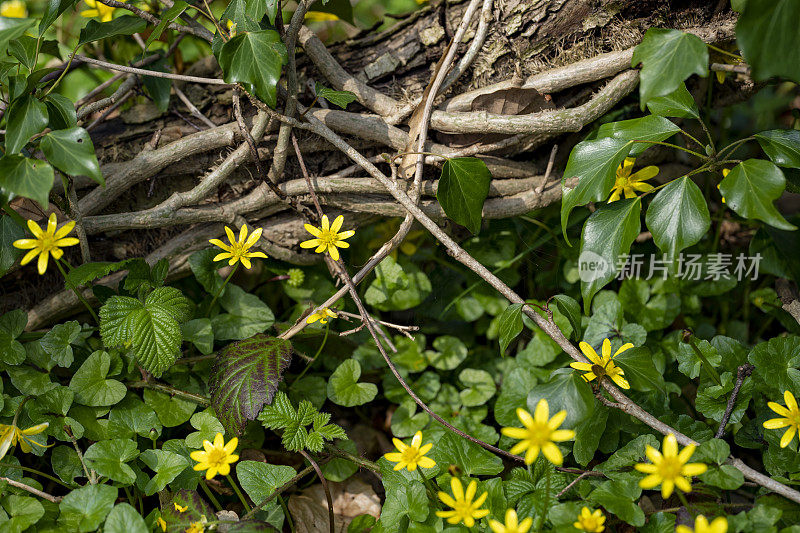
172	391
90	474
153	73
741	374
35	492
192	109
324	482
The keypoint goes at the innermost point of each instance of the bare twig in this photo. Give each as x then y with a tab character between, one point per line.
324	487
741	374
154	73
35	492
193	110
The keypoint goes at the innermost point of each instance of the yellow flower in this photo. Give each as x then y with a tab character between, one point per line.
13	9
103	12
591	521
411	456
701	525
322	315
160	522
216	457
602	366
539	433
628	183
319	16
669	470
197	527
512	524
328	237
239	250
464	508
791	418
11	435
725	172
46	242
179	508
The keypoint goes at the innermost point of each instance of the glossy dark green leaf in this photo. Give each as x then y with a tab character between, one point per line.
72	152
245	377
678	103
649	128
158	88
26	177
510	325
10	231
607	235
751	187
24	48
678	216
463	186
781	146
27	116
11	28
52	10
668	57
766	32
595	164
124	25
571	309
166	17
60	111
339	98
639	369
254	59
566	390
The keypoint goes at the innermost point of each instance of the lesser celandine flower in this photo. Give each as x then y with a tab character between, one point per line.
13	9
11	435
701	525
412	455
97	10
602	366
199	526
590	521
180	508
512	525
46	242
669	468
539	434
628	184
790	418
465	509
327	237
217	457
160	522
239	250
322	315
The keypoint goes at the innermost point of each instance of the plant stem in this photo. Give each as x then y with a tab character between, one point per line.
319	350
172	391
210	495
683	500
238	493
429	487
222	288
706	364
77	292
545	500
698	154
37	472
286	513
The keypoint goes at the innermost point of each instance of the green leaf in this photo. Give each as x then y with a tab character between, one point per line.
57	342
24	49
712	399
781	146
124	25
639	369
668	57
514	391
678	217
607	234
463	187
10	231
407	501
171	410
679	104
339	98
255	59
151	329
572	310
205	270
649	128
207	426
123	518
396	287
108	458
595	165
344	388
200	333
566	390
72	152
90	384
619	499
84	509
24	512
751	187
166	465
52	11
91	271
11	28
765	32
26	116
245	377
133	414
689	364
451	449
166	17
30	178
510	325
259	480
588	435
480	387
247	315
60	112
448	353
776	363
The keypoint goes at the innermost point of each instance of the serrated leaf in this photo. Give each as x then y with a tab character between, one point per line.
124	25
255	59
678	216
751	187
679	104
509	325
26	177
245	377
108	458
649	128
765	32
339	98
344	388
668	57
781	146
90	383
72	152
463	187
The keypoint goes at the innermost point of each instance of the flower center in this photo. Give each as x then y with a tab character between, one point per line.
670	467
216	457
411	455
539	434
589	524
327	237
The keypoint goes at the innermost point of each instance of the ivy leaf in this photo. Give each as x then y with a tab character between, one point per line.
254	59
90	384
245	377
595	164
166	17
124	25
572	310
57	342
513	393
30	178
11	28
463	187
124	518
509	325
566	390
668	57
151	329
84	509
10	231
72	152
60	112
765	31
751	187
679	104
344	388
781	146
607	234
166	465
678	216
52	11
108	458
649	128
259	480
480	387
339	98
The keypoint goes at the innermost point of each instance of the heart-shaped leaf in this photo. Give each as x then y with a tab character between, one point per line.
254	59
462	189
344	388
72	152
751	187
30	178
